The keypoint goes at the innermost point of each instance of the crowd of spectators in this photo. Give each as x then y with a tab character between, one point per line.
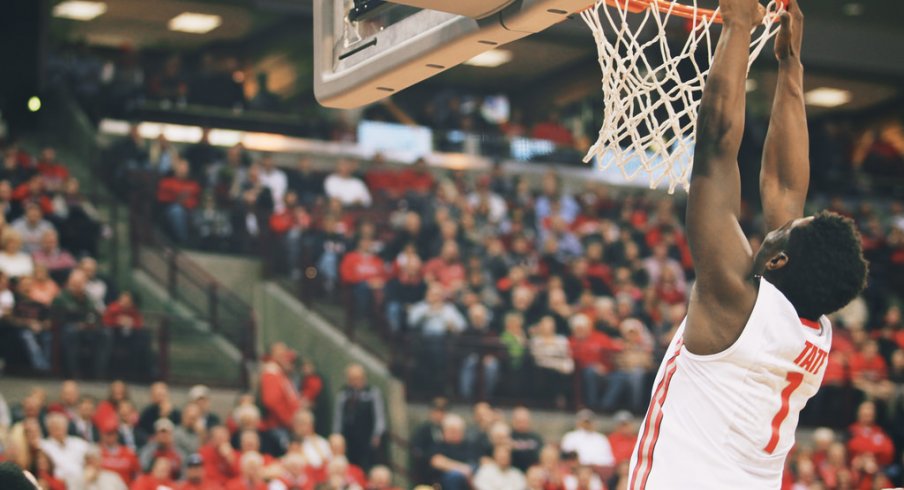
49	281
269	440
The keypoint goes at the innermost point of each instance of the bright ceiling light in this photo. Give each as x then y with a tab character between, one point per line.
491	58
195	23
827	97
79	9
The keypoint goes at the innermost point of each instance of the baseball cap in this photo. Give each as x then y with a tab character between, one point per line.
194	460
585	415
622	416
197	392
163	424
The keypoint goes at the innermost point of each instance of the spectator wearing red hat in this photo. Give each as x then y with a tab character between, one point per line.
218	455
116	457
868	438
278	395
195	478
162	445
252	473
178	195
159	476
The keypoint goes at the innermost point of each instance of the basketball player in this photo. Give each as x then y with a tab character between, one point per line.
753	347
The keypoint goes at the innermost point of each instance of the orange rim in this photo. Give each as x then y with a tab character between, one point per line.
677	9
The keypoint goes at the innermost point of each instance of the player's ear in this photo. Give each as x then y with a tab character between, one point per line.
777	261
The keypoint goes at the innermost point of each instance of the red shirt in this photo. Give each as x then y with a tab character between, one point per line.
836	372
870	369
122	461
216	467
115	310
445	273
311	386
279	396
202	485
53	171
554	132
305	481
148	482
622	446
172	190
105	415
174	457
242	484
383	179
359	267
870	439
413	180
597	348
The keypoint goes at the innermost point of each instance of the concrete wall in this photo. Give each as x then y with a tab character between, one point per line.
239	274
284	318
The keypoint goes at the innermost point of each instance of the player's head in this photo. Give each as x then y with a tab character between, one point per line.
816	262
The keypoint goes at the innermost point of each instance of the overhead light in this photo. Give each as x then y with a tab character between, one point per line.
491	58
79	9
194	23
827	97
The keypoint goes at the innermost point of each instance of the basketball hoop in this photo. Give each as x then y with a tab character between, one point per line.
651	89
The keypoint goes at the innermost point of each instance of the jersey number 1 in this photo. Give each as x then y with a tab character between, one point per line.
794	381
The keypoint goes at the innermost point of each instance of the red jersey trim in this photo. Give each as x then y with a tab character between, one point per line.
810	323
653	421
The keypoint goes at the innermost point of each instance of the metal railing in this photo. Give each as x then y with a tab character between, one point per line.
227	314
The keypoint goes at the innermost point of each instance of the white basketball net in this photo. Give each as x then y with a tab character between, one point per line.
650	109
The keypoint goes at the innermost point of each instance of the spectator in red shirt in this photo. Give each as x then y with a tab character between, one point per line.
178	195
311	385
868	438
54	172
551	129
252	476
116	457
446	269
277	391
107	410
294	474
159	476
353	472
869	372
593	353
365	273
623	438
218	456
382	180
35	191
291	223
129	334
416	181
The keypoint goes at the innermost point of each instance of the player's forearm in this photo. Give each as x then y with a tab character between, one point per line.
721	121
785	171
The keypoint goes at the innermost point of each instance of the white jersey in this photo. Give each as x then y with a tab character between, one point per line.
727	420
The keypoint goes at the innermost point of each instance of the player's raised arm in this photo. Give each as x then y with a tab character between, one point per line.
785	173
721	253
